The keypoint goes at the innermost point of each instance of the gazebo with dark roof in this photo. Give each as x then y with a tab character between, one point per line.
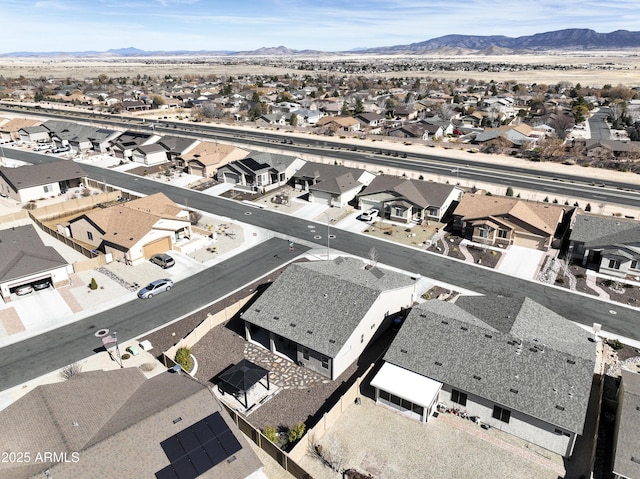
243	376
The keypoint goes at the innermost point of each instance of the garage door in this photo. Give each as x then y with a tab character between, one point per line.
155	247
533	242
197	170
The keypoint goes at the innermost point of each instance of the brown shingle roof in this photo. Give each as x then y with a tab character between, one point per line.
542	216
209	153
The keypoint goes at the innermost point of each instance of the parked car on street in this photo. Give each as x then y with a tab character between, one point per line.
155	287
163	260
369	215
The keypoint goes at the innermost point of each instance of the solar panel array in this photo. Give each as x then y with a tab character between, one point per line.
198	448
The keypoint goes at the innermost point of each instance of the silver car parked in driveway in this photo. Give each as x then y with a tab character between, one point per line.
155	287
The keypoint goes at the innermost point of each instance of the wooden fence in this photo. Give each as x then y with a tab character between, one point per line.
282	458
329	418
207	324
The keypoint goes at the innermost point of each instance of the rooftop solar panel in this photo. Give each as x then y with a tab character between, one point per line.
167	473
172	448
198	448
185	469
200	460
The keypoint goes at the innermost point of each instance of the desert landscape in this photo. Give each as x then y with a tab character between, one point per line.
589	68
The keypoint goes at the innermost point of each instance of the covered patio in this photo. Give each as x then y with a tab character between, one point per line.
241	379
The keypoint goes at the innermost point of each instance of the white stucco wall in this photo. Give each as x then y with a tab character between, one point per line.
387	303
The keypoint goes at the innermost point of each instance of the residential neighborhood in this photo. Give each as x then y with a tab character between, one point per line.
289	243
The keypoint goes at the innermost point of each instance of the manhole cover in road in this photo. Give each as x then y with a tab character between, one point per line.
611	311
332	236
317	237
101	333
247	213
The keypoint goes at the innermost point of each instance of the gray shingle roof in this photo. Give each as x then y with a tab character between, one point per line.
322	172
23	253
527	359
628	439
600	231
41	174
417	192
105	415
329	299
338	185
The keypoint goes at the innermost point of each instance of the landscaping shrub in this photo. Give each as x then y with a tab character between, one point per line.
93	284
183	358
296	432
271	433
616	344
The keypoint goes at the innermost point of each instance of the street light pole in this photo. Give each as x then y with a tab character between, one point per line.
328	232
115	337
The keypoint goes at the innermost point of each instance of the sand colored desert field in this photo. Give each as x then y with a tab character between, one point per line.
592	69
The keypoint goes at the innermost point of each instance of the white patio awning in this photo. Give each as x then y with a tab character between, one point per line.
405	384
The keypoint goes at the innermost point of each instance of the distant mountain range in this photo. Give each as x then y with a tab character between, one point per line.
568	39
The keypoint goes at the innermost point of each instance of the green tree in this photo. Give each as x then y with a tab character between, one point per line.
293	119
359	107
509	191
344	111
93	284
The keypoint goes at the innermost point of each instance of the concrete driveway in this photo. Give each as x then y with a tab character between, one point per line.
521	262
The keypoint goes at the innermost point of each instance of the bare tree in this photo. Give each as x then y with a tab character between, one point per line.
562	124
373	257
333	455
71	370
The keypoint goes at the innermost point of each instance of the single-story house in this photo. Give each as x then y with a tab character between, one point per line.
406	200
153	154
43	180
34	134
410	130
89	425
10	131
123	145
26	259
322	314
80	137
206	157
340	123
626	460
135	230
260	170
506	220
510	362
608	244
332	185
177	146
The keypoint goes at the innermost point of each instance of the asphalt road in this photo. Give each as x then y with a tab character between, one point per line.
598	126
47	352
583	309
387	159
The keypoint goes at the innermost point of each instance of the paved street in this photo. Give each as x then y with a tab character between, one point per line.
39	355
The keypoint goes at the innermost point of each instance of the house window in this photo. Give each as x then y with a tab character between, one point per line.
501	414
458	397
614	264
384	395
634	264
305	354
433	212
503	234
48	188
483	232
325	362
90	235
399	212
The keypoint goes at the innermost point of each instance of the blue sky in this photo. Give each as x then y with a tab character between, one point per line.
80	25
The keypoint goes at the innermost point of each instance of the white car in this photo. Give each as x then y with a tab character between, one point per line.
369	215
